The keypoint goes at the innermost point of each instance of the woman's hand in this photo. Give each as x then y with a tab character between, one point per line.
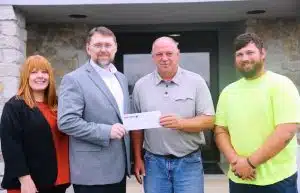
27	184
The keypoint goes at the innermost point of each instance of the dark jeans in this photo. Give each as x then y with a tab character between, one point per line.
108	188
288	185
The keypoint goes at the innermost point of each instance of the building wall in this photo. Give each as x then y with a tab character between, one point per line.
63	45
282	40
13	38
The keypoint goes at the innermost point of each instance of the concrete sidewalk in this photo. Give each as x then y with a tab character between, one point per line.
212	184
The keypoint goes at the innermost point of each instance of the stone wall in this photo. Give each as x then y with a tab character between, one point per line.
63	45
13	37
282	39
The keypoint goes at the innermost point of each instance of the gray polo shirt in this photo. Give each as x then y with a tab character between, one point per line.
186	95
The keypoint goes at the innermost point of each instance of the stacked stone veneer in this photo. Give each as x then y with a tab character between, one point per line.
282	39
13	38
62	44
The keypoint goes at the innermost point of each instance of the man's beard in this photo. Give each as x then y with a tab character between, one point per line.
104	63
257	67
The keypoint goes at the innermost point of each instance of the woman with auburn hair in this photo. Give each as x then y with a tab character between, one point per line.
35	152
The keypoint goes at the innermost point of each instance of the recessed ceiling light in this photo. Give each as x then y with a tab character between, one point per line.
174	35
77	16
258	11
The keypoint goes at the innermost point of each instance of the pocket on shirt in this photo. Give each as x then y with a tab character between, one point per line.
185	105
184	99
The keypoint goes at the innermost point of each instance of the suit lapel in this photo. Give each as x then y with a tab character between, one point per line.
99	82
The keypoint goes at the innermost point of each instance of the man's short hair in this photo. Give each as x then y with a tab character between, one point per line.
244	39
165	37
101	30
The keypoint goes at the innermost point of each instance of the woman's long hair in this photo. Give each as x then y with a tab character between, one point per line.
37	62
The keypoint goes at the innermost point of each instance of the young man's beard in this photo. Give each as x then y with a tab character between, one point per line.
257	67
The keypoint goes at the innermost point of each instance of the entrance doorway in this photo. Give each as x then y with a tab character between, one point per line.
198	53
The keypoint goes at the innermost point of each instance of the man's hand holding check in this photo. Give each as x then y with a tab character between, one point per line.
171	121
151	120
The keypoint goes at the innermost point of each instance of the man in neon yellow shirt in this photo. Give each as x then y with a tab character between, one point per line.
256	122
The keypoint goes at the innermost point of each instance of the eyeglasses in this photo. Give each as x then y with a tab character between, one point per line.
101	46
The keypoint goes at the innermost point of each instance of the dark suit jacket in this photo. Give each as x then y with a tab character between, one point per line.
27	145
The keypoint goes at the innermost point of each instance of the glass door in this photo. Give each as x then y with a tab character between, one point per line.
198	53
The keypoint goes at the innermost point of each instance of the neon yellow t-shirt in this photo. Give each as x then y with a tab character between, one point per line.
251	109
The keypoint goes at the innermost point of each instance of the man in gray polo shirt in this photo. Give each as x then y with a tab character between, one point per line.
172	160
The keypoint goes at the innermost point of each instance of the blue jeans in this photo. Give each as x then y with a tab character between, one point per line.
288	185
173	175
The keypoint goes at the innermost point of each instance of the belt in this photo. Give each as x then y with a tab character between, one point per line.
171	156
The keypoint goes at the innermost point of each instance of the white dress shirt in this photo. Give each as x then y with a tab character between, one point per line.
111	81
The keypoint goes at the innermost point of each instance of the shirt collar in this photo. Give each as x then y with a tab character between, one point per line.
111	68
176	79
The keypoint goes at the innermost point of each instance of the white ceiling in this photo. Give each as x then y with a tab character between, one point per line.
159	13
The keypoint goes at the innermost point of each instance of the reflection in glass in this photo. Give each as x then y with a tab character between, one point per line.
138	65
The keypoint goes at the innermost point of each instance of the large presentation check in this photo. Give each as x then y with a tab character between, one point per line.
145	120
